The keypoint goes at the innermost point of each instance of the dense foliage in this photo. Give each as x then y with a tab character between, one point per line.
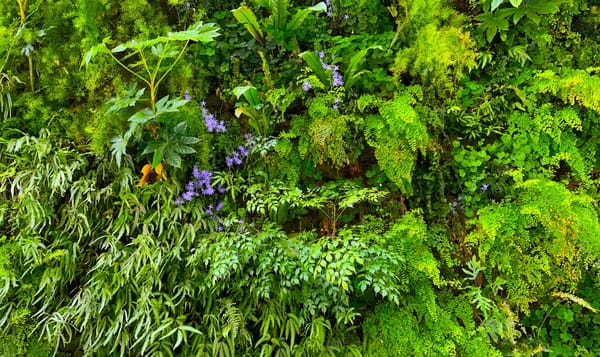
280	177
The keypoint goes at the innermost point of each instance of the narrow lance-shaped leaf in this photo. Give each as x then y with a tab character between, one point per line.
280	12
314	62
246	17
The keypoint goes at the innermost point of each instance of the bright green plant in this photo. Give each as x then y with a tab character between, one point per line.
155	59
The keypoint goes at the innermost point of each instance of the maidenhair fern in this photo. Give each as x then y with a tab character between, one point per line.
398	134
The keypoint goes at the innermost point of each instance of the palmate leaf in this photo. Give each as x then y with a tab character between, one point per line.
118	148
164	105
198	32
128	100
491	22
534	8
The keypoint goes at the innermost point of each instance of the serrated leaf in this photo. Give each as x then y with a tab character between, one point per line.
118	148
183	149
152	147
180	128
189	140
534	8
198	32
172	158
164	105
142	116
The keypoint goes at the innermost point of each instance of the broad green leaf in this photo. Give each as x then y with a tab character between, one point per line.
516	3
249	92
180	128
143	116
152	147
534	8
496	3
298	19
352	72
249	112
166	105
491	22
320	7
183	149
246	17
189	140
157	158
314	62
172	158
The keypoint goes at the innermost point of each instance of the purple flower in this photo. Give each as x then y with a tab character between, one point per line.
220	189
187	5
195	172
484	187
228	161
212	124
178	201
243	151
188	195
187	95
236	158
346	16
219	206
321	55
338	80
190	186
209	209
208	191
306	86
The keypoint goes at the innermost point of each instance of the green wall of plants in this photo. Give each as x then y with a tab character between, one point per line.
299	178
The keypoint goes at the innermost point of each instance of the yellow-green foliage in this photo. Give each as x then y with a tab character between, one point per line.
439	56
573	86
397	135
541	241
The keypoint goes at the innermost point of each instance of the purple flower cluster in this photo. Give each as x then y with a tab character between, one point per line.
212	124
336	76
237	156
200	185
306	86
338	80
